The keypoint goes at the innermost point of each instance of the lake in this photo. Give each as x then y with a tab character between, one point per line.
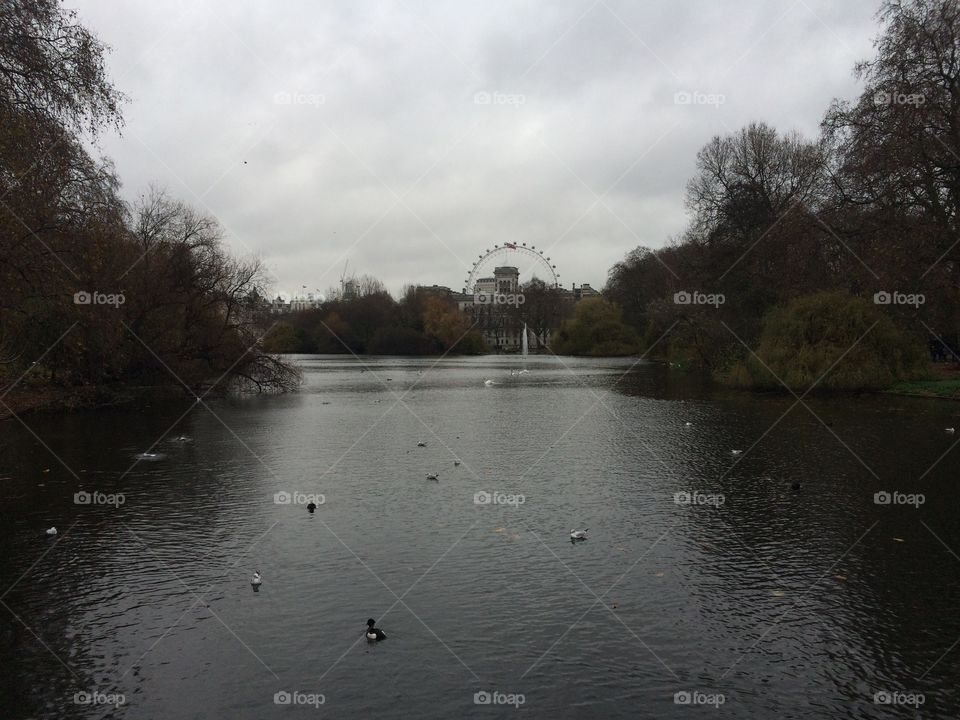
709	582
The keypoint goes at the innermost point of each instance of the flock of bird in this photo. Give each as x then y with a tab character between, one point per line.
373	633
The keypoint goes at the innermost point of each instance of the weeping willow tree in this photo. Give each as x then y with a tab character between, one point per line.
829	341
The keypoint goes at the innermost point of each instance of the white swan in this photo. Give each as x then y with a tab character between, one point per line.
256	580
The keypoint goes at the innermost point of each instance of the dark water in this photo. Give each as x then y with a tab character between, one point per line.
779	602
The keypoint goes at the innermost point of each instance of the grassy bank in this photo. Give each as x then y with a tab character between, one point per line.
944	382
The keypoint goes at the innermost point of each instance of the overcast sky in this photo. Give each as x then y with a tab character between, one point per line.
317	132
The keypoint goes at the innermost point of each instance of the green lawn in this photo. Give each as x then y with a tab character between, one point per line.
944	388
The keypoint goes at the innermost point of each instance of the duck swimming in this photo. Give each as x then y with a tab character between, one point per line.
51	531
311	507
433	476
421	444
374	634
256	581
578	534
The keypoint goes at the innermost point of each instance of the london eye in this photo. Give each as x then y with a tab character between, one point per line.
528	259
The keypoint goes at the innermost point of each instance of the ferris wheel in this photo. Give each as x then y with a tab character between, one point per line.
516	255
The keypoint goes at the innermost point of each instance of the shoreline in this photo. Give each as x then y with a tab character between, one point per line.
69	400
87	398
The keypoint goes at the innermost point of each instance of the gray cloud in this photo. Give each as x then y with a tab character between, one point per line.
317	132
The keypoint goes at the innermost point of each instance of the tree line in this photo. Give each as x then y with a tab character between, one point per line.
96	292
799	250
424	321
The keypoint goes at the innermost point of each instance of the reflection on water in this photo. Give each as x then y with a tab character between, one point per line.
770	580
